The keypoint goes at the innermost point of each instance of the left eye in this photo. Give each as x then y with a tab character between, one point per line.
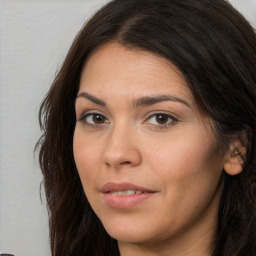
160	119
94	118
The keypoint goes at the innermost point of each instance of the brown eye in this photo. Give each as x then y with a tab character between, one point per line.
98	119
162	119
94	119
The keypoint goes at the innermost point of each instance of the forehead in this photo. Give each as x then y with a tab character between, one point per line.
119	70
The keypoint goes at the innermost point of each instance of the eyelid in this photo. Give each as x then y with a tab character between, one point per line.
89	112
159	125
86	114
171	115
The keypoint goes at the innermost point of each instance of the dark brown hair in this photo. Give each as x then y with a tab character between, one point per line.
215	49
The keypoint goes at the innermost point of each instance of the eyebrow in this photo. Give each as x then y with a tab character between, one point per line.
140	102
150	100
92	98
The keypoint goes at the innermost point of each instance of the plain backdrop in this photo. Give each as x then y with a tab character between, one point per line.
35	36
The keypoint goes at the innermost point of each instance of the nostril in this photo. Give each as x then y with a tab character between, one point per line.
126	162
120	164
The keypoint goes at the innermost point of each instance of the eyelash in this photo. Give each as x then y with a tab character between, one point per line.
91	114
171	120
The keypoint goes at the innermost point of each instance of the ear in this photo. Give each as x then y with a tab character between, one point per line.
235	157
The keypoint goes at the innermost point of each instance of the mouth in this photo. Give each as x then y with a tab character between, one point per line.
127	192
124	195
124	189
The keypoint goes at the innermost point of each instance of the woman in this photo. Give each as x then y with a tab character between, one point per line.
149	133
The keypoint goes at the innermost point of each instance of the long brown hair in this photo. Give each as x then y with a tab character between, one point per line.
215	49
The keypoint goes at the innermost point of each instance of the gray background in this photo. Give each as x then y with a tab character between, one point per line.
34	38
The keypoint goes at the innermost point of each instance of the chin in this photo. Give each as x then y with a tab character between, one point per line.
130	234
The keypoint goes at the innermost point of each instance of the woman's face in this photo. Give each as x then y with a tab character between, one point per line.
146	157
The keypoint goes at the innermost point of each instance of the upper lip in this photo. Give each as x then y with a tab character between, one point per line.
115	186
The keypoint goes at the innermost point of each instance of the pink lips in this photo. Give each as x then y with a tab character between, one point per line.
124	201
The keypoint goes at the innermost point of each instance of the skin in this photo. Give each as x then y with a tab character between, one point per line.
174	156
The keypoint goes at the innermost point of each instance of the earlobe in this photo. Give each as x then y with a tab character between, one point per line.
233	166
235	158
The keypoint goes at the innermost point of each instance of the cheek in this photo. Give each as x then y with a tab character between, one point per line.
187	151
86	156
188	166
190	176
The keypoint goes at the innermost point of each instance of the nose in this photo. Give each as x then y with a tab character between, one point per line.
121	149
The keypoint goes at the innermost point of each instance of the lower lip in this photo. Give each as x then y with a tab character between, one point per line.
124	202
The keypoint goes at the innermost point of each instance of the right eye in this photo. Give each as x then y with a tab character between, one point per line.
93	119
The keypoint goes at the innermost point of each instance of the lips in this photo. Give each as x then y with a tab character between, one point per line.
124	195
113	187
